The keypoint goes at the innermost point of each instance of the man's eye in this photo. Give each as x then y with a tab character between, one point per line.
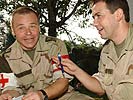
98	16
20	28
33	26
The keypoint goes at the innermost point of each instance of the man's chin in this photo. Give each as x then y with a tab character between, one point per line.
28	47
103	37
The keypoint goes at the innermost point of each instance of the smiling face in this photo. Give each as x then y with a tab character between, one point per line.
105	22
26	29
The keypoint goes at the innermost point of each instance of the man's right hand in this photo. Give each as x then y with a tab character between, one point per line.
5	96
69	66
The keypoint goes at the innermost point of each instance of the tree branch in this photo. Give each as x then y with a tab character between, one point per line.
65	18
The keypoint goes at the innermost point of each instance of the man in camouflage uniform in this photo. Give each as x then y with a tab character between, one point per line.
115	76
26	66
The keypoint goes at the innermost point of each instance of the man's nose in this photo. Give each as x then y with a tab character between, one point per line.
95	22
28	31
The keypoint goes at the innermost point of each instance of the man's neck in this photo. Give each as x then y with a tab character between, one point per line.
122	34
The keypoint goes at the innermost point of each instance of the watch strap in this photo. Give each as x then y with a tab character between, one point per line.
45	94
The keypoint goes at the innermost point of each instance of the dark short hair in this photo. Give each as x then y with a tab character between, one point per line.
113	5
23	10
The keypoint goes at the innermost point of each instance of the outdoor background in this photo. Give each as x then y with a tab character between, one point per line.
69	20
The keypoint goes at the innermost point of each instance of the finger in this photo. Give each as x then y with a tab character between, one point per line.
6	96
55	58
27	96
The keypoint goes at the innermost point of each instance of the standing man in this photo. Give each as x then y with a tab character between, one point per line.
26	66
115	76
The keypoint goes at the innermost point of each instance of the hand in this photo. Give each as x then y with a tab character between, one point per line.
5	96
37	95
68	65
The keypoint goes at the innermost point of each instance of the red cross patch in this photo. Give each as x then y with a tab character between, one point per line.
3	80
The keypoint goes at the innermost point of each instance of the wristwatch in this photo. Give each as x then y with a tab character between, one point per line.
44	94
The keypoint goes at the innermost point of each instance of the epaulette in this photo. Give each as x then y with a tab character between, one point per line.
49	38
5	52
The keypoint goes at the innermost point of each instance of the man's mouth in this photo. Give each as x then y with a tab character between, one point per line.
29	40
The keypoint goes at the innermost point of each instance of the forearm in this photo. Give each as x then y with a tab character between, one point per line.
57	88
89	82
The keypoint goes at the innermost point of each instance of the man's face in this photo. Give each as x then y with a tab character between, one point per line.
26	28
104	21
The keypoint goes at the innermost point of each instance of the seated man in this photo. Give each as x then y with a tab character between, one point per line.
29	68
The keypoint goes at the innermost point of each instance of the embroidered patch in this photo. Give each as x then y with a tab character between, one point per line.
109	71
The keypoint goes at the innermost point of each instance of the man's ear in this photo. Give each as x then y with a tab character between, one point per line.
13	34
119	14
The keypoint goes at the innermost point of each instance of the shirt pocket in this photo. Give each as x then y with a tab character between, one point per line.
108	78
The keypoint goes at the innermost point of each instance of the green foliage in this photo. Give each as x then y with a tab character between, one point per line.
84	55
63	6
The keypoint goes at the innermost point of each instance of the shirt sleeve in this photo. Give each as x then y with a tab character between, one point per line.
100	75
